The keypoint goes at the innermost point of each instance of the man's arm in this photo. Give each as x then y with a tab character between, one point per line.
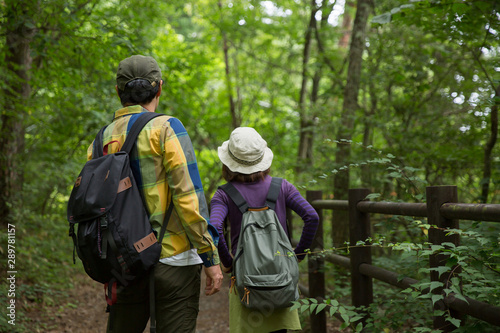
186	189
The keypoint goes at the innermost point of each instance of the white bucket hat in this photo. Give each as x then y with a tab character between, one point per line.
245	152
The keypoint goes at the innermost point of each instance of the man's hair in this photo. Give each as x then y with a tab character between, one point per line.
231	176
138	91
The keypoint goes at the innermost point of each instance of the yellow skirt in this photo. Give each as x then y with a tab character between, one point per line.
244	320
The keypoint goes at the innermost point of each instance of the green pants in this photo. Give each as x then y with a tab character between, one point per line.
177	294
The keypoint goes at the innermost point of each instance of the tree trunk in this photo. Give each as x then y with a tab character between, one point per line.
371	109
340	222
306	122
16	92
485	188
235	119
346	26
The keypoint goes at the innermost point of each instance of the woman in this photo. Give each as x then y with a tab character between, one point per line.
246	163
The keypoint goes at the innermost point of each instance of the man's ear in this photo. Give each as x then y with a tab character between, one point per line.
116	88
159	89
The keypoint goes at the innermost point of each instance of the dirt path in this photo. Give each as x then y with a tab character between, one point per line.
214	310
83	311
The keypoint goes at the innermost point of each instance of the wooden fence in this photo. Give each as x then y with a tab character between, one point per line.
441	210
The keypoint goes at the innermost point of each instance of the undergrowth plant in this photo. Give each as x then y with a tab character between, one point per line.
44	266
472	269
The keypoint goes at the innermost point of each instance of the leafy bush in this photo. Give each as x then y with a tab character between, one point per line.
411	310
43	264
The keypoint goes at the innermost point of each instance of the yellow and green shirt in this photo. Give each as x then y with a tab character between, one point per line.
164	166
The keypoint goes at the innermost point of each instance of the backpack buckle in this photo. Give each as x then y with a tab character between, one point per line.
103	222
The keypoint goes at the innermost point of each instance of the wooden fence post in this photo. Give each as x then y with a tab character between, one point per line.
359	230
316	267
436	197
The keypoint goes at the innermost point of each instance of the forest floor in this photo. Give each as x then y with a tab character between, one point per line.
83	311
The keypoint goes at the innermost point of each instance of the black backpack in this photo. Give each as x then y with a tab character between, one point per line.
114	240
265	267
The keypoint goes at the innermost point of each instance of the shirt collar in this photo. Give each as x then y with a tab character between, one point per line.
127	111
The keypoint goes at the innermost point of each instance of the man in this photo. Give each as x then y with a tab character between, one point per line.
164	166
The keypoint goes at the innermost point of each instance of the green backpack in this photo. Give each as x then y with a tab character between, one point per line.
265	268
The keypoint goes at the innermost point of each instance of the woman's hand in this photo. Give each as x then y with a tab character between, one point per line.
226	269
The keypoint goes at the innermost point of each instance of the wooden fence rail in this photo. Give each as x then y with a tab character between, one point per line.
441	210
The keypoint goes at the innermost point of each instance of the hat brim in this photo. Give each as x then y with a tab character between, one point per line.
234	166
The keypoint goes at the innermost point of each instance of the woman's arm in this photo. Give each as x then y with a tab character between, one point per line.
299	205
218	214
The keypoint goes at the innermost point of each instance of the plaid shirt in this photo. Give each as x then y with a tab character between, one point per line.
164	166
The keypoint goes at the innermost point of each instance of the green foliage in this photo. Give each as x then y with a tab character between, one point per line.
472	271
44	265
349	317
427	82
75	50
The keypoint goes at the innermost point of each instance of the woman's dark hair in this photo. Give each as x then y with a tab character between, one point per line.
231	176
138	91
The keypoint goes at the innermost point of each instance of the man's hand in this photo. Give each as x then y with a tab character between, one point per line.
214	279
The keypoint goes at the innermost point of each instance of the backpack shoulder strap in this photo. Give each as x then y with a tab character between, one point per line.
272	195
136	128
138	125
97	149
274	192
235	195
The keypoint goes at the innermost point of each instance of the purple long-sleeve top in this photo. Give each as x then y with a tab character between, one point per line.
255	195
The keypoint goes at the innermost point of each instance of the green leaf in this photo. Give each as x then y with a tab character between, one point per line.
424	296
458	293
454	321
295	305
436	248
320	308
395	174
332	310
438	313
435	284
440	270
372	196
356	317
436	298
382	19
